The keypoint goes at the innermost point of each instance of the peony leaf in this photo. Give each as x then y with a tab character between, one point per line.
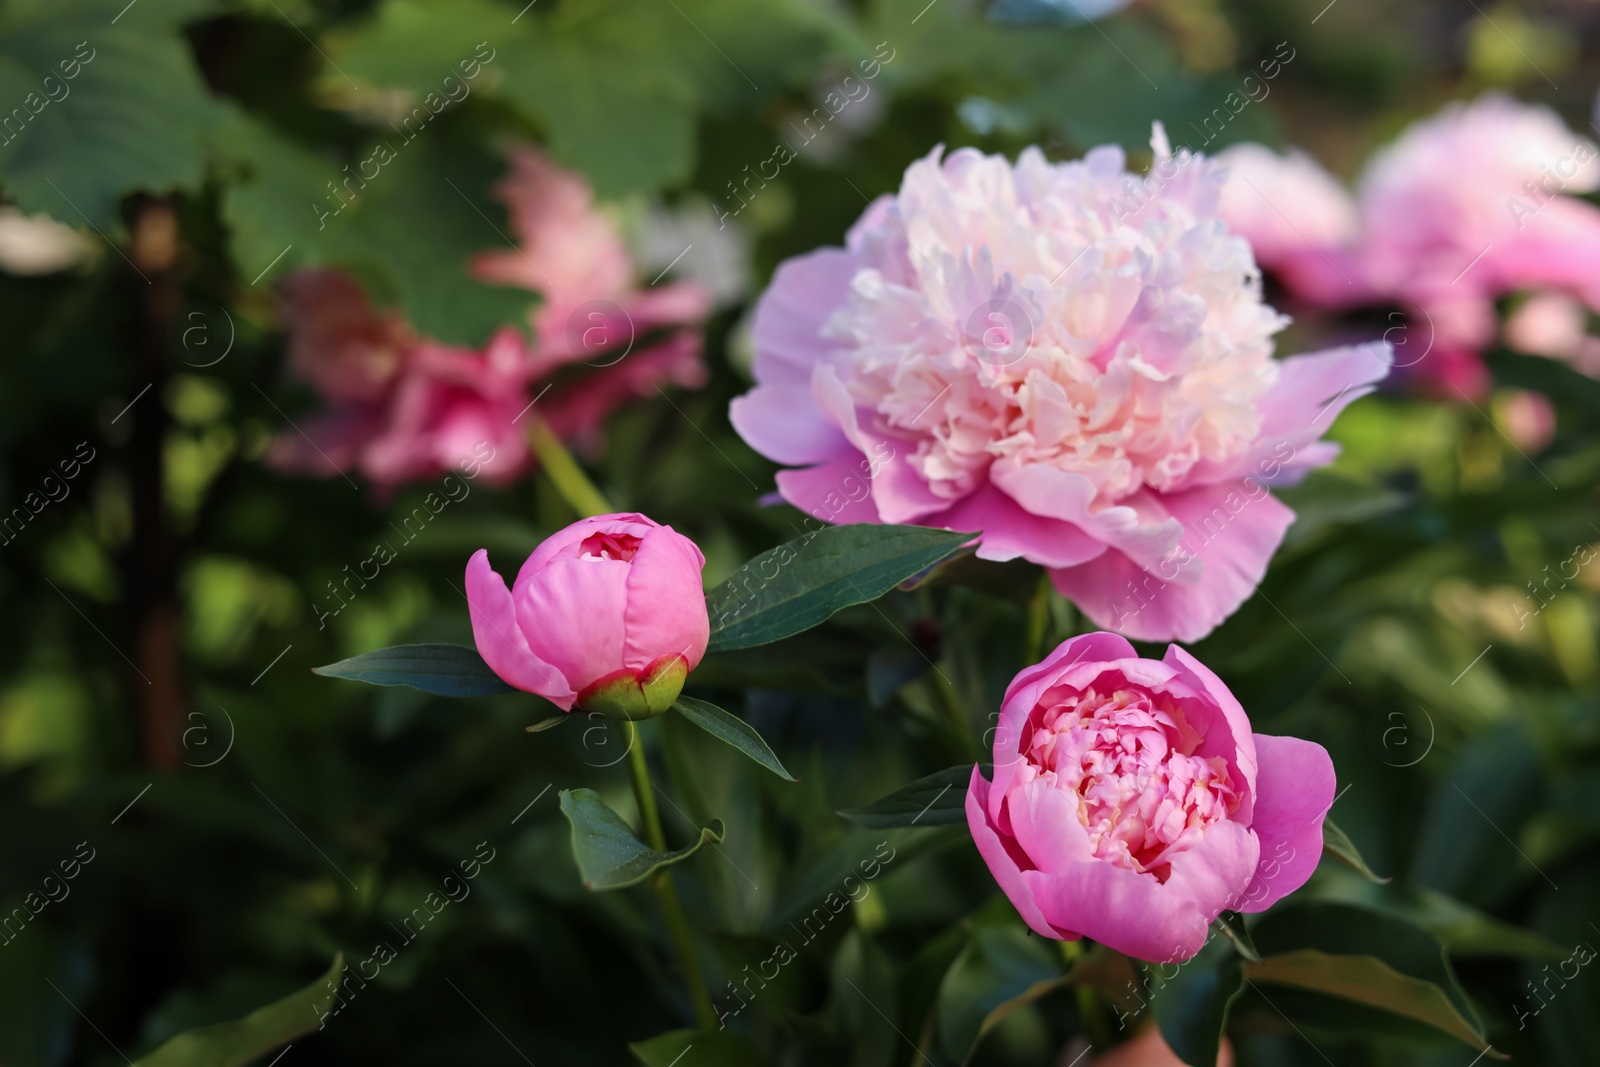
1193	1005
940	799
608	855
732	730
713	1048
1338	845
443	670
239	1042
1367	957
1002	968
798	585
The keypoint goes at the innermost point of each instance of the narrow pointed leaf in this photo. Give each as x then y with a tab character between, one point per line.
235	1043
443	670
940	799
1365	956
608	855
1338	845
732	730
546	724
799	584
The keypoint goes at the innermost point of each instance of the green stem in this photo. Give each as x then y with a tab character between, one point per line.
1038	621
957	710
563	471
666	890
1094	1021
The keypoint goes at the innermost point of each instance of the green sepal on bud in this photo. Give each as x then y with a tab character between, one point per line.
634	694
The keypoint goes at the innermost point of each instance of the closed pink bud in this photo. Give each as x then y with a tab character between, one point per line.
607	615
1132	803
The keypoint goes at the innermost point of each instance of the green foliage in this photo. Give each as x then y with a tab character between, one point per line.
124	108
731	730
817	574
608	855
939	799
443	670
237	1043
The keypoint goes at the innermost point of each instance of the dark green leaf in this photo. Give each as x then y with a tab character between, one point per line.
243	1040
132	119
1366	956
940	799
1231	925
1002	969
608	855
407	234
712	1048
547	724
1338	845
1192	1006
799	584
732	730
1552	377
443	670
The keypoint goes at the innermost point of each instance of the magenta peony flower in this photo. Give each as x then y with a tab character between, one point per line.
406	408
1070	359
1132	805
608	615
1465	207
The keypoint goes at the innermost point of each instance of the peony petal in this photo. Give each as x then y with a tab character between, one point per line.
783	423
1240	745
1010	532
838	491
565	541
1233	537
500	639
573	612
1138	527
1294	790
1002	865
666	610
791	313
1162	922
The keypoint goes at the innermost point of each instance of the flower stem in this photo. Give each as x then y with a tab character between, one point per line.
1038	621
563	471
958	712
1094	1022
666	890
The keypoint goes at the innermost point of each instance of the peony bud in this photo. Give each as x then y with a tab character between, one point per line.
607	615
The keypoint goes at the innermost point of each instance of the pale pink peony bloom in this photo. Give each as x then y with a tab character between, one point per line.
405	407
1132	804
1463	208
607	615
1071	360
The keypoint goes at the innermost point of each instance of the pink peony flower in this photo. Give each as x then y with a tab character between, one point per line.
1071	360
1465	207
608	615
1132	805
406	407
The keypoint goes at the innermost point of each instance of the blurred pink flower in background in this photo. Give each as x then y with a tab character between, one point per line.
1465	207
1132	804
403	407
1072	359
